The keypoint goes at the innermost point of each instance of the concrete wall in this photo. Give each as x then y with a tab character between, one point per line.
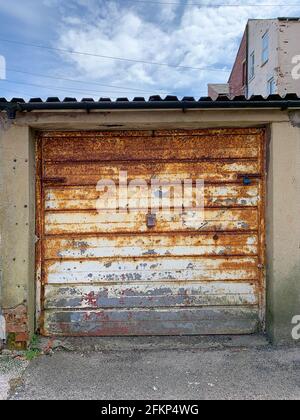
17	231
283	231
289	47
17	199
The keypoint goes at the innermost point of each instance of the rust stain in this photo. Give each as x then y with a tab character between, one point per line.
90	299
213	171
99	261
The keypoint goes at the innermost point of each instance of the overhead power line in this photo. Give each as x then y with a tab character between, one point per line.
31	95
73	90
82	81
27	44
210	6
67	89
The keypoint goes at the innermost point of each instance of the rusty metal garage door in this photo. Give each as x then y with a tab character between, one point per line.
115	274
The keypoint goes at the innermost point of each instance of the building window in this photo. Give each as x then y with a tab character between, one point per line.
271	86
265	48
244	73
252	66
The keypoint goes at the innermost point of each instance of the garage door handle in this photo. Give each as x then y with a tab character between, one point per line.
54	180
247	178
250	176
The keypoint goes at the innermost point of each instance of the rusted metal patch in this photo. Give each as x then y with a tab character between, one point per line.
57	223
168	148
110	274
141	295
149	133
86	198
195	321
88	172
143	245
151	269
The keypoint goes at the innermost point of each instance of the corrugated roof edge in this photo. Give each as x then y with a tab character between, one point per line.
154	102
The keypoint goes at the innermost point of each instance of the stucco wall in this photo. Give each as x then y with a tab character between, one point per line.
283	231
17	199
284	45
289	47
263	72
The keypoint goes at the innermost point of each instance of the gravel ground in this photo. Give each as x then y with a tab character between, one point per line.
11	370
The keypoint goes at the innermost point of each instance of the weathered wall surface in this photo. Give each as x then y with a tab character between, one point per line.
17	199
17	231
216	89
289	35
283	231
283	46
147	120
258	85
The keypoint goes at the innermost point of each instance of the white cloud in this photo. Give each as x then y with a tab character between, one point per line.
197	37
168	12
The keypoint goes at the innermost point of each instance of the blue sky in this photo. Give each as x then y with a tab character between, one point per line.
178	33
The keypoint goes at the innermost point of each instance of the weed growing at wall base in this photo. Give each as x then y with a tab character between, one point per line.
33	350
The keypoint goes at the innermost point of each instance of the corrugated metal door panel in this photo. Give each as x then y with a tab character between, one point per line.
129	245
150	269
168	147
72	198
169	321
109	274
89	173
139	295
62	222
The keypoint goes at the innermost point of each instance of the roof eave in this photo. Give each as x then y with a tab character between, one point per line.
223	102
